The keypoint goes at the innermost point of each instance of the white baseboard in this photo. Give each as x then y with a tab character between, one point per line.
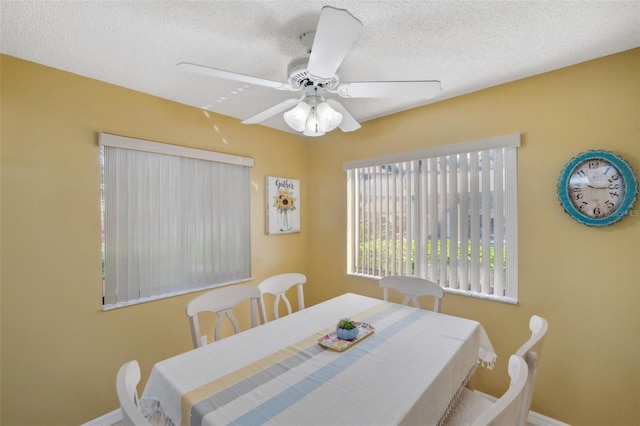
109	419
534	419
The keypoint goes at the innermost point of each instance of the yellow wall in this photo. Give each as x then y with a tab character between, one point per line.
61	352
584	280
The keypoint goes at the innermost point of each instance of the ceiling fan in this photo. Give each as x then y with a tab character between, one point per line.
314	75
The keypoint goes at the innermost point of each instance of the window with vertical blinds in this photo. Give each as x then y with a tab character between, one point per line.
447	214
175	220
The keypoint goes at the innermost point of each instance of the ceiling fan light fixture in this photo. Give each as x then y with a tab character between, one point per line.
313	117
314	74
312	127
296	117
328	117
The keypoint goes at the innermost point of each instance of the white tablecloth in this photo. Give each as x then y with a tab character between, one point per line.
407	372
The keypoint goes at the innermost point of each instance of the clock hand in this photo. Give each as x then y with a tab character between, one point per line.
594	185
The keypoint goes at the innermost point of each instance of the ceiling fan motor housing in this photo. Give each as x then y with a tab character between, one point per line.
299	77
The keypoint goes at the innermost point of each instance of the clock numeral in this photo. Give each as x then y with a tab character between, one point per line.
614	178
579	196
594	164
614	194
597	212
582	205
609	205
614	186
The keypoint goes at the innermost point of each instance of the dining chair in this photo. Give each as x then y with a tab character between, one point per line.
221	301
412	288
476	410
278	286
126	383
531	351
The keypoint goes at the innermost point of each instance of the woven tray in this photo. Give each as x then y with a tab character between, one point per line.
331	341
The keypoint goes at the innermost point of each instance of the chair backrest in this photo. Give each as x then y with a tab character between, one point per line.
506	409
531	351
278	286
126	383
412	288
221	301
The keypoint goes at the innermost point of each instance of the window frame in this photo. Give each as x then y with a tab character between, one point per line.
418	236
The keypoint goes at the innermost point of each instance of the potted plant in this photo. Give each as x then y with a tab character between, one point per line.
346	329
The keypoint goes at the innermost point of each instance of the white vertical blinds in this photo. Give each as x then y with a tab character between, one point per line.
175	220
448	214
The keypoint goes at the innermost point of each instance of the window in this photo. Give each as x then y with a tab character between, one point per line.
175	220
447	214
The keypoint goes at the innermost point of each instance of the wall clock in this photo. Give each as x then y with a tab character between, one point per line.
597	188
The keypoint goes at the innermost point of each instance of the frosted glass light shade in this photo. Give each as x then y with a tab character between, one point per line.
313	117
328	117
313	127
296	117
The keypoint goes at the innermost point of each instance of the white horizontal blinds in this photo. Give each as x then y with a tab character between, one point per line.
173	224
447	216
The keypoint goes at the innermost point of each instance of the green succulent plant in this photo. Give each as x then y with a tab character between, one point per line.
346	323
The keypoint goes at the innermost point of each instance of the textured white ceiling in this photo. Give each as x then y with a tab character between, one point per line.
467	45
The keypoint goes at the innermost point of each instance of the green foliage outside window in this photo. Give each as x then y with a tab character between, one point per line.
381	254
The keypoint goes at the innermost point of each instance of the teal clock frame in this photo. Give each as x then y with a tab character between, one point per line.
629	179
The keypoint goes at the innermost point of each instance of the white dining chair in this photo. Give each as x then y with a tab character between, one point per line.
412	288
531	351
476	410
221	301
126	384
277	286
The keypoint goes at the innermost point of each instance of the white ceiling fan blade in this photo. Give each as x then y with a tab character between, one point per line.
268	113
390	89
337	31
213	72
348	123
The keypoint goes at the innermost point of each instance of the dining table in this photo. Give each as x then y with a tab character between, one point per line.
408	366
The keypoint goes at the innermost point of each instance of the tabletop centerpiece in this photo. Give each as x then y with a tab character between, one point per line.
346	329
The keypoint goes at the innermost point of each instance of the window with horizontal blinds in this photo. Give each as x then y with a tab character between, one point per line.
175	220
447	214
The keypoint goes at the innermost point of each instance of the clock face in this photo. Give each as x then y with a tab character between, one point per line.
597	188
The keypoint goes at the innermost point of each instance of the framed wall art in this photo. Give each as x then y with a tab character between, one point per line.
283	205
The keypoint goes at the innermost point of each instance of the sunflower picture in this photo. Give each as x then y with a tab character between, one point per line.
283	214
284	201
